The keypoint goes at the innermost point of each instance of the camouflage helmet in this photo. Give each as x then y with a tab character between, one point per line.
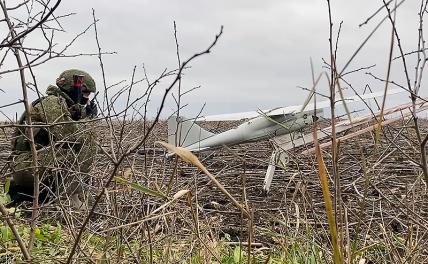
65	81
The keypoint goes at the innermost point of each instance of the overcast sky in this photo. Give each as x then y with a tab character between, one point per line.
259	62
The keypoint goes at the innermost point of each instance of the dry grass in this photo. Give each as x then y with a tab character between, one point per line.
383	195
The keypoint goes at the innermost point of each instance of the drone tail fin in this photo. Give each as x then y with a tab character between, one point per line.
185	132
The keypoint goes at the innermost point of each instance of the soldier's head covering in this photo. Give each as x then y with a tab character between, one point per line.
65	81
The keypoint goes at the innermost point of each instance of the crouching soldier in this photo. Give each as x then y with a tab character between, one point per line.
65	146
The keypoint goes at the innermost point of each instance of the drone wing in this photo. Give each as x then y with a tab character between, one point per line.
292	109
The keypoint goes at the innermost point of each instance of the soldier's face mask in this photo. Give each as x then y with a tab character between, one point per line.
76	93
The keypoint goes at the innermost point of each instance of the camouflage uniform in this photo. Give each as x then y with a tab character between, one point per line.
62	150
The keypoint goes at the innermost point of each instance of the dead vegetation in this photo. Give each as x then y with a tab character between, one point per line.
383	197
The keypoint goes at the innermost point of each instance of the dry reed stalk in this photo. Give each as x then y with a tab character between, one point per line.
189	157
337	255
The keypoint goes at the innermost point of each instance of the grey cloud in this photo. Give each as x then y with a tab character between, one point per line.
261	58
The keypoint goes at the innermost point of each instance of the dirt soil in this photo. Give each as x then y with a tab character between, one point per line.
379	184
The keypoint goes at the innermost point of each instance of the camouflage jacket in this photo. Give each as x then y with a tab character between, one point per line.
51	109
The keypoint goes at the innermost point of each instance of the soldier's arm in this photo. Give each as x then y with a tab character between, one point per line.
53	109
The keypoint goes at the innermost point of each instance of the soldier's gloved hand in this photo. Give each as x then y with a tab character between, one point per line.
77	111
91	109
